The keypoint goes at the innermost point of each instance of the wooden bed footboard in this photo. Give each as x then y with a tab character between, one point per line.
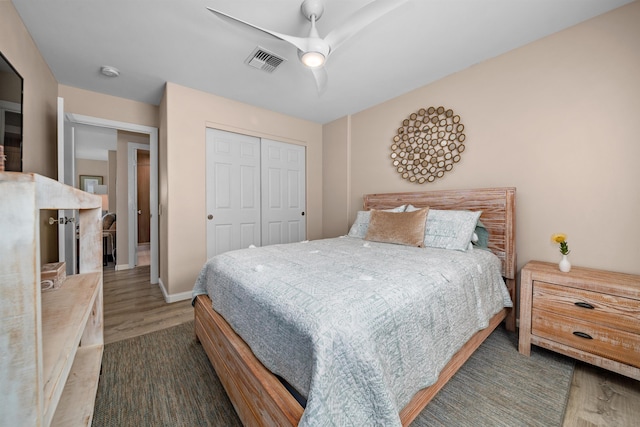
260	399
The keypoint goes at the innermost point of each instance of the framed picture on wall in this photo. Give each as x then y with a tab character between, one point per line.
88	182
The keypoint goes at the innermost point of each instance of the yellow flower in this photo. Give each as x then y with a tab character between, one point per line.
561	238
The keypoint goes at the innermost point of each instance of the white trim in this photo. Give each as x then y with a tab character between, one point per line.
348	201
67	248
62	255
132	198
122	267
169	298
163	289
14	107
153	178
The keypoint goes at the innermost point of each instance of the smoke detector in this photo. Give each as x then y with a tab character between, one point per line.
109	71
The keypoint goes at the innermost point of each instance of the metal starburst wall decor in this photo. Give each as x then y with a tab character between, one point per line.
428	144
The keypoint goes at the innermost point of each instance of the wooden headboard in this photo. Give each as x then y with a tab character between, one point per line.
498	206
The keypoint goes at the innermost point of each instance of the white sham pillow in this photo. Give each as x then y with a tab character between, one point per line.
449	229
361	224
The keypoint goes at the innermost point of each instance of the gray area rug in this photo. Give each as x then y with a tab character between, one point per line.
165	379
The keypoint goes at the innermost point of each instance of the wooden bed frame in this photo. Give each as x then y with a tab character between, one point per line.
259	397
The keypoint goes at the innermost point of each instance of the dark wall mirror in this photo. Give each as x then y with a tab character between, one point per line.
10	117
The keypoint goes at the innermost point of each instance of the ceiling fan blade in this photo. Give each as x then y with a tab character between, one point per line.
360	19
299	42
320	74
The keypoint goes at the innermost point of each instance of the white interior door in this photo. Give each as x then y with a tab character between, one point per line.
232	191
132	199
283	192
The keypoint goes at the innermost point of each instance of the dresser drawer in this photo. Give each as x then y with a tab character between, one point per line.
587	336
603	309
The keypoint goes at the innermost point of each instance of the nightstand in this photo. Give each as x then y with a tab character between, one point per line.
590	315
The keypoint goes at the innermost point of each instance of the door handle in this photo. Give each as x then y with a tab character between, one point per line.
139	211
61	221
209	216
302	213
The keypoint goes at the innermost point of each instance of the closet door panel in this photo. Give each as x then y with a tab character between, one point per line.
232	191
223	238
255	190
283	192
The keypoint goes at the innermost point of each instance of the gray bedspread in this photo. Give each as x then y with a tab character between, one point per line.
356	327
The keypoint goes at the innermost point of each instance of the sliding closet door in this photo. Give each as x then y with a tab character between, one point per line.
283	192
232	191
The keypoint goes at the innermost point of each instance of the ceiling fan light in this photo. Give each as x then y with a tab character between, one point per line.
312	59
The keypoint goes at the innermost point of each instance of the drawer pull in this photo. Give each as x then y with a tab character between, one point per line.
583	335
584	305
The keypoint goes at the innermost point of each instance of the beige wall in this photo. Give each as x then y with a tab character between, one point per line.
40	93
10	86
39	111
558	119
92	167
111	184
94	104
335	179
163	197
186	115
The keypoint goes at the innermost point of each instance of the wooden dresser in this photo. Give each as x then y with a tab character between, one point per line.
591	315
51	342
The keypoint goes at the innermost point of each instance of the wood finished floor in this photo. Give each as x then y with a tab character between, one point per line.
133	306
601	398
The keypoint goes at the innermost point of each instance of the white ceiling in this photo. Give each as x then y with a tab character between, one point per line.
155	41
94	142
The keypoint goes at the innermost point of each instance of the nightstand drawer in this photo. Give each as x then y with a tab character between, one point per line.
587	336
610	310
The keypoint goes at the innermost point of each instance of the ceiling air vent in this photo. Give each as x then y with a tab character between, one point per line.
264	60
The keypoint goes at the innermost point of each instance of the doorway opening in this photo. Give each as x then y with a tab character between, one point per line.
152	149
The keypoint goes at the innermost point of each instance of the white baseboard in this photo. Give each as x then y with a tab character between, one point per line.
173	297
122	267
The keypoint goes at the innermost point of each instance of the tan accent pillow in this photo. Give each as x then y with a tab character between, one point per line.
402	228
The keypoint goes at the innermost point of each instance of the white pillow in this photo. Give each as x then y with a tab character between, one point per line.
361	224
449	229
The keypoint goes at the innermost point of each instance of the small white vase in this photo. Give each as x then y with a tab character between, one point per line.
564	264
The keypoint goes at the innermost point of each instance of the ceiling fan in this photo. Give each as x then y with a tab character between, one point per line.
313	50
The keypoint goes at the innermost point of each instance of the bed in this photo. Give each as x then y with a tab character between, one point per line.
262	398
